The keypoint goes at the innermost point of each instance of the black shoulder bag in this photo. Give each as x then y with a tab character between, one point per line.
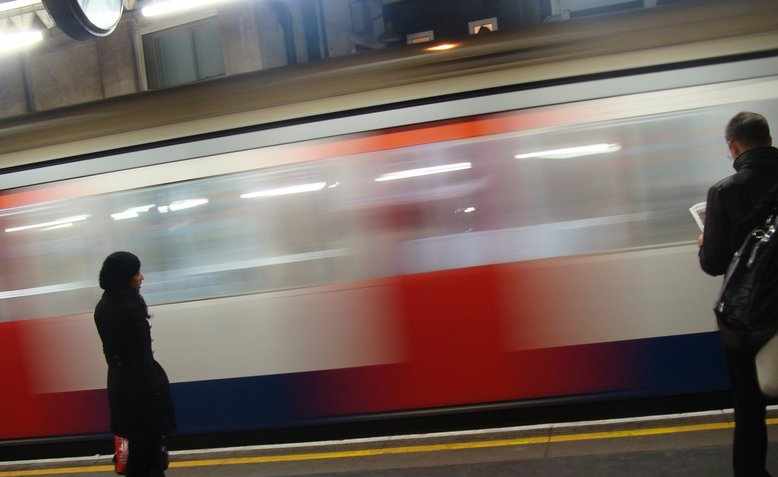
747	306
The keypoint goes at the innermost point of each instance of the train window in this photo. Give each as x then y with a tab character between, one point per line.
183	54
406	195
219	236
526	194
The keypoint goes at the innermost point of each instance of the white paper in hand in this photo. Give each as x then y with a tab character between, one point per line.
698	212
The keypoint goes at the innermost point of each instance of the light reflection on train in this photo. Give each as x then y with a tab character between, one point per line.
511	263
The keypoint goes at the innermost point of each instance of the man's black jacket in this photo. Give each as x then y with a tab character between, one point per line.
729	214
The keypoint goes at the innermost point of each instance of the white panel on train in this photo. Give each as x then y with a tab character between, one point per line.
252	335
612	297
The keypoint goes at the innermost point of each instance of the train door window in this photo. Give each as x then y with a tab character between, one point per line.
46	251
279	217
183	54
412	203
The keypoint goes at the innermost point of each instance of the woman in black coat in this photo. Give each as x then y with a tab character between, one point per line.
138	388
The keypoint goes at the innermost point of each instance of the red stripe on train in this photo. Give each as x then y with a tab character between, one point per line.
29	414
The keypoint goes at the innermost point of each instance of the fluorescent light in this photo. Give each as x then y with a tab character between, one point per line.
186	204
63	226
175	206
470	210
132	213
4	7
571	152
127	214
16	41
443	47
296	189
424	171
66	220
169	7
332	186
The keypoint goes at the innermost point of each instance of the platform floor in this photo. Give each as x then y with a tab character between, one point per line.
681	445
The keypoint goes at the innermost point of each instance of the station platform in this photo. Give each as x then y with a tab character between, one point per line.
696	444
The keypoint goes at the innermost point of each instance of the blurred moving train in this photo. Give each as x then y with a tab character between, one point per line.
502	246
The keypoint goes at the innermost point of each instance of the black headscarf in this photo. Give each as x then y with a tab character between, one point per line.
118	269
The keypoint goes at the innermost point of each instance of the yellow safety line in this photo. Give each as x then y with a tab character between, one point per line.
59	471
423	448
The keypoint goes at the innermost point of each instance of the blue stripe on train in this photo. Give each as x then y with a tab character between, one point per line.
663	366
681	365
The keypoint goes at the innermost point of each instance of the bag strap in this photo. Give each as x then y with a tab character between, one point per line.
766	208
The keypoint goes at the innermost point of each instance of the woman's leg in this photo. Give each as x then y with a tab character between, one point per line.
138	458
145	456
156	464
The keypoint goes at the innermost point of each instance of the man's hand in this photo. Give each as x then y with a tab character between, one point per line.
699	240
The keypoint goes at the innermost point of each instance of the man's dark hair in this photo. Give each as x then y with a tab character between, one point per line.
749	129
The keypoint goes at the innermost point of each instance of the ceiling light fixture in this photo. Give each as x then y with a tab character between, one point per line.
424	171
7	6
132	213
10	42
169	7
570	152
57	227
295	189
49	225
186	204
443	47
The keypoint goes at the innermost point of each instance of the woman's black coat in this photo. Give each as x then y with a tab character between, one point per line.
138	388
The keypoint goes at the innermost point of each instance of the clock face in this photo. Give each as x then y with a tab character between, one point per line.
85	19
104	14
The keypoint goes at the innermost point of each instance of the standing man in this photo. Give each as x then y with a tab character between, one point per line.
728	220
